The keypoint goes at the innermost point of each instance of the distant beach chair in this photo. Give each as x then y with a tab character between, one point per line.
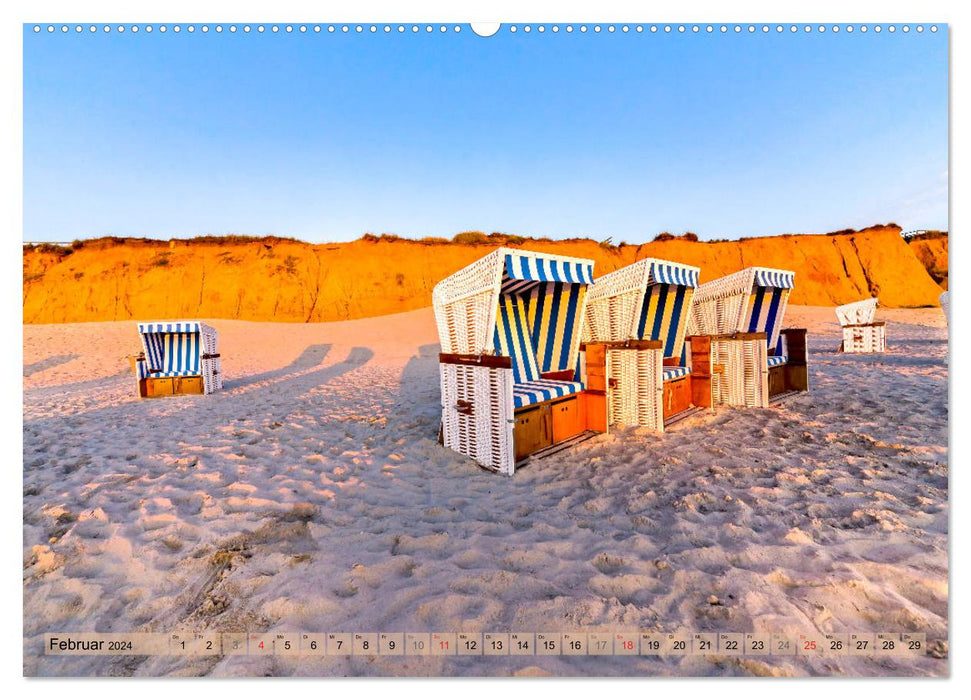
179	357
509	326
753	361
860	332
944	300
639	314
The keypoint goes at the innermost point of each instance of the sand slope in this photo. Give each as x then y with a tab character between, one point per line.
299	282
311	495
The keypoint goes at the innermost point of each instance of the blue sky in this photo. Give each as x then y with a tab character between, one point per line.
324	137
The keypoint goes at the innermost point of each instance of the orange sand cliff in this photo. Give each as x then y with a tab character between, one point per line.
931	250
283	280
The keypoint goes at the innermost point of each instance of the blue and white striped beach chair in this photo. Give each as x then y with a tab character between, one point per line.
178	357
743	314
509	326
648	300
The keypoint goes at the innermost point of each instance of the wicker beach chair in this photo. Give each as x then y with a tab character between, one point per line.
651	385
179	357
860	332
753	361
944	300
509	326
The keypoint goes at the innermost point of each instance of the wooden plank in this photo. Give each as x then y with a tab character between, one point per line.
499	361
596	355
796	345
700	390
560	376
596	410
596	382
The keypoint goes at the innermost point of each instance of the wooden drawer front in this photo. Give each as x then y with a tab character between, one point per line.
188	385
532	431
159	386
777	380
677	396
567	420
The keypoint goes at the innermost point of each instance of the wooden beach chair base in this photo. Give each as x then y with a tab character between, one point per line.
548	424
152	387
864	337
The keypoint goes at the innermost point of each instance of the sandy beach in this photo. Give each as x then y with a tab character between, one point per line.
311	495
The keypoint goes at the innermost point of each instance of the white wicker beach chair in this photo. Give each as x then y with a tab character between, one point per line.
652	383
944	300
509	326
860	332
180	357
754	361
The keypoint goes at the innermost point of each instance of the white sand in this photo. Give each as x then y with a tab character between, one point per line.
311	495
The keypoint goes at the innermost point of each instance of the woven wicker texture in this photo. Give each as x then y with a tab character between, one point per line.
636	395
484	432
865	338
857	312
745	381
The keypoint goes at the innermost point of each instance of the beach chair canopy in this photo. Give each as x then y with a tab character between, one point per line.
523	305
857	312
649	300
175	349
752	300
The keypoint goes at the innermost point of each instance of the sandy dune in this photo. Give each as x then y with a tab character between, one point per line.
311	495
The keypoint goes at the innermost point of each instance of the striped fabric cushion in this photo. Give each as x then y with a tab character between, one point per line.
669	373
553	312
763	314
512	338
529	393
777	360
664	316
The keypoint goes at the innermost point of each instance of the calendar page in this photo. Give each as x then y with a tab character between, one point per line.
519	349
